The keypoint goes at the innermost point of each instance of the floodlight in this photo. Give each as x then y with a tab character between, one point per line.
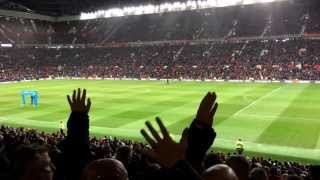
149	9
191	4
116	12
167	7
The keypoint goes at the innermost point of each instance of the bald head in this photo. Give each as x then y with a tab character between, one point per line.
105	169
220	171
240	166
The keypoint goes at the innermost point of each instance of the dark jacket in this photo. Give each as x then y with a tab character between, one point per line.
75	148
200	140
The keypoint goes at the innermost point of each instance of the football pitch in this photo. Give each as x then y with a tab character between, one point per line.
275	120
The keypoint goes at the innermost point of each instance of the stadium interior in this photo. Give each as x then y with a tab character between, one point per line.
232	85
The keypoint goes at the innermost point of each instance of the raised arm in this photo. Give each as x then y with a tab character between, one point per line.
201	134
75	147
170	154
78	123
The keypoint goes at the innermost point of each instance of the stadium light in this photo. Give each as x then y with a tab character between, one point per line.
223	3
191	4
116	12
6	45
149	9
167	7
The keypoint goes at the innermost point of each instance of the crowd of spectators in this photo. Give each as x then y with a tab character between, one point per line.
27	154
24	31
256	60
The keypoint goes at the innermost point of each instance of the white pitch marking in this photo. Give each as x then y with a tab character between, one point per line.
255	102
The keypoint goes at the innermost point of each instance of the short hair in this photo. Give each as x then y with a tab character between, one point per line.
219	171
124	151
105	169
211	160
24	154
240	166
258	174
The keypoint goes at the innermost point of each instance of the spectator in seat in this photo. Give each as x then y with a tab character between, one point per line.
219	172
32	162
258	174
75	152
240	166
105	169
124	155
211	160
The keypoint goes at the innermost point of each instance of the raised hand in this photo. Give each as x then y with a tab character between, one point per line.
78	101
164	149
75	147
207	110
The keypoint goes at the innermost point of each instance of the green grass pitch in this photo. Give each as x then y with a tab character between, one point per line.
275	120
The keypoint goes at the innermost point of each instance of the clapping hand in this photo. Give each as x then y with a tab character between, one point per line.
78	101
164	149
207	110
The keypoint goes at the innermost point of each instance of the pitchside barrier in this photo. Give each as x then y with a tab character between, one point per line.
172	80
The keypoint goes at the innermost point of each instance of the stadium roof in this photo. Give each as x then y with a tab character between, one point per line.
76	7
168	7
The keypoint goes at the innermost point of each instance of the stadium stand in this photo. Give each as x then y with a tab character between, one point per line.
280	18
277	41
256	60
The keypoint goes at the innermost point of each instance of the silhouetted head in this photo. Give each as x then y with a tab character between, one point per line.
124	154
240	166
211	160
258	174
220	171
33	162
105	169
